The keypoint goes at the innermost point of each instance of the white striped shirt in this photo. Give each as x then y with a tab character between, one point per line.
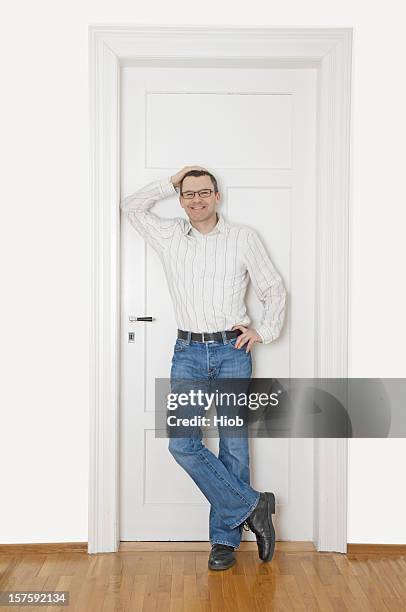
208	274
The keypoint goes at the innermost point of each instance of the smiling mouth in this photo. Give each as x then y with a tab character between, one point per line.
198	207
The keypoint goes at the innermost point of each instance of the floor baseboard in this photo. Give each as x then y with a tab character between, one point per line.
376	549
198	546
43	549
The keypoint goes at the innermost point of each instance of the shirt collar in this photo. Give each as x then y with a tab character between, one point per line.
219	227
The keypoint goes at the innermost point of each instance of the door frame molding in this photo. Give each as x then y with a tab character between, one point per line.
112	46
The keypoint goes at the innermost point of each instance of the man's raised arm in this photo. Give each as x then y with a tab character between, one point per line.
137	208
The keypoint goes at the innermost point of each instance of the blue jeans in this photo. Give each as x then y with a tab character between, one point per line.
223	480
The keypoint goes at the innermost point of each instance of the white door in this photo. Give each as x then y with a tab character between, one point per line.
256	130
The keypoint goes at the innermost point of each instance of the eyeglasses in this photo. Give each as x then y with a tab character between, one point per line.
203	193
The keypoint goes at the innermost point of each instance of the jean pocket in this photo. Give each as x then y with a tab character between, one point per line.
180	345
240	349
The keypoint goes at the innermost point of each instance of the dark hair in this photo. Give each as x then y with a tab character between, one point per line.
200	173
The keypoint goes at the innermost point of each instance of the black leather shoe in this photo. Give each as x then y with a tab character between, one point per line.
260	522
221	557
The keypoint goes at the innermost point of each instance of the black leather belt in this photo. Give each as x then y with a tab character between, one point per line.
208	336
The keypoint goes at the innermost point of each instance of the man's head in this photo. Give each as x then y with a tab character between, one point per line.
202	206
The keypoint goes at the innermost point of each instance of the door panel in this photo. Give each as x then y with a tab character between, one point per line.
256	130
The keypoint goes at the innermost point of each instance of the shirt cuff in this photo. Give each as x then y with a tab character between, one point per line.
261	336
265	334
167	187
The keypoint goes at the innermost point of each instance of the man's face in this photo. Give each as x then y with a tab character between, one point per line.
199	208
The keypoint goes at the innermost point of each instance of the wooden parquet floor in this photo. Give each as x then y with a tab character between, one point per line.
180	581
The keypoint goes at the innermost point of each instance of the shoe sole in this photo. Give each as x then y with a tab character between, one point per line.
270	498
217	569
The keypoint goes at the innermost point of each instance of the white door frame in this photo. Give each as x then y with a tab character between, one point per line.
110	47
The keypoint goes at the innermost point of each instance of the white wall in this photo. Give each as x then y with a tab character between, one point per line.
45	240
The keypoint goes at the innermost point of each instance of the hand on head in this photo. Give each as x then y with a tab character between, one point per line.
176	178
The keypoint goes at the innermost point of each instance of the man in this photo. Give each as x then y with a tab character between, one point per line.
208	262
